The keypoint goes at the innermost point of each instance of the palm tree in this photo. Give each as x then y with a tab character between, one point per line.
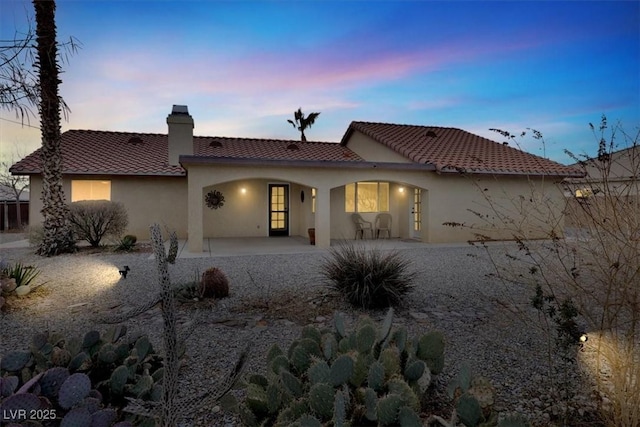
302	122
57	236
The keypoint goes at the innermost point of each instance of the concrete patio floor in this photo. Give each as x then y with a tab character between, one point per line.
221	247
282	245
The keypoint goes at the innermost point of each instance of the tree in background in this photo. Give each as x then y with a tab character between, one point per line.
301	122
57	237
15	183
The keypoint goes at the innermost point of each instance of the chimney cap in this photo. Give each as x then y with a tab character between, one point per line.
180	109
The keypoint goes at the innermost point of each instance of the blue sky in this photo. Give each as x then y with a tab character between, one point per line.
243	67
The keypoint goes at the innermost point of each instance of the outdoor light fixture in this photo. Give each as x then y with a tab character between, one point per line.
243	190
583	338
401	189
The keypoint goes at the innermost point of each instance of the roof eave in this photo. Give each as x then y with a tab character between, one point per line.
104	173
200	160
510	173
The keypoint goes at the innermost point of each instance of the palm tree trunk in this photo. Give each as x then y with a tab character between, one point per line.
57	232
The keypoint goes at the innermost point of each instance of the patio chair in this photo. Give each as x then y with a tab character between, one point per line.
383	224
361	226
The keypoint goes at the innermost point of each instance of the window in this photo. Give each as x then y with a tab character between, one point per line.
366	197
90	190
586	192
313	200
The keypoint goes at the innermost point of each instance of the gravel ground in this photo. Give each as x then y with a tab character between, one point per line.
488	324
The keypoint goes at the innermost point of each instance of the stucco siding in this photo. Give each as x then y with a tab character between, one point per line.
529	206
147	200
371	150
246	214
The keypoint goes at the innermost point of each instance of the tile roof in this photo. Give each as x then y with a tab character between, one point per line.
109	153
272	149
122	153
455	150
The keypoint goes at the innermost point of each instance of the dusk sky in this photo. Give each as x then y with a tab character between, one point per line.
244	67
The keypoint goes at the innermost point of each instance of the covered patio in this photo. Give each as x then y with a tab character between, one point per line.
238	246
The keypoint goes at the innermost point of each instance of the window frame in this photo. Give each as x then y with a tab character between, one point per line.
382	195
90	190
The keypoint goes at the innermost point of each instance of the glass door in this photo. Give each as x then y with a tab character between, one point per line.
278	210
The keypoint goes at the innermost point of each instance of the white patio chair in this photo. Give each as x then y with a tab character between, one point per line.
361	226
383	224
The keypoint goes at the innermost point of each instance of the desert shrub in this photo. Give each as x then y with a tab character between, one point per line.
23	274
371	374
127	243
92	220
214	284
368	278
592	263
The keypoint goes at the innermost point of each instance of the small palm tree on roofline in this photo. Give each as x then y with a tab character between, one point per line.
301	122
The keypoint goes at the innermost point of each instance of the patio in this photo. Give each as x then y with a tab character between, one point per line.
234	246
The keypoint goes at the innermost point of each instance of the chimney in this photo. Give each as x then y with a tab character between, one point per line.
180	125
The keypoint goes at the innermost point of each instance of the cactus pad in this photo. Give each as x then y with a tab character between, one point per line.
76	417
469	410
9	384
291	383
73	390
387	409
103	417
26	401
341	370
365	338
118	379
321	398
311	333
431	350
408	418
375	377
14	361
318	372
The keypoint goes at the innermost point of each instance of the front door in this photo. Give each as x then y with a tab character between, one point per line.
416	214
278	210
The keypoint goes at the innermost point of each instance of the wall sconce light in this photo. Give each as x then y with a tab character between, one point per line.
401	189
243	190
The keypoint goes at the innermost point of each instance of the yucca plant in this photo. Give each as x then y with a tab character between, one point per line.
368	278
23	274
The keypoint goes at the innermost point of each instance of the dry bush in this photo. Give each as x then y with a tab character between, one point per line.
589	255
92	220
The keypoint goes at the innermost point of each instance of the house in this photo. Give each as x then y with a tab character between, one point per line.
610	188
213	187
9	218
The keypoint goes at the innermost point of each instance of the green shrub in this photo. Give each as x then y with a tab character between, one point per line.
127	243
23	274
92	220
368	278
369	376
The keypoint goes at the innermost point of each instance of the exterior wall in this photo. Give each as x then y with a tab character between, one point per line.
371	150
342	226
147	200
247	214
532	206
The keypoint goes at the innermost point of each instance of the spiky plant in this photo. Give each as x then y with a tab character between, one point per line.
368	278
214	284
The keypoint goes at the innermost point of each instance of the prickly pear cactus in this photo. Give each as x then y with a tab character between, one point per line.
340	378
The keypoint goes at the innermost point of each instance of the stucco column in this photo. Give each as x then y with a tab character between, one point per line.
323	217
194	218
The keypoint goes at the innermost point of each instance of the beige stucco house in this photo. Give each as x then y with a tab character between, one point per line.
609	189
424	176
